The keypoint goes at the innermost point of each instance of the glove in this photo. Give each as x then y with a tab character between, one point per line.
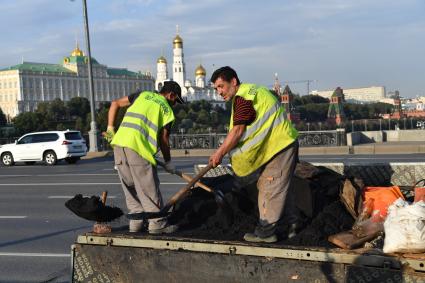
109	134
169	167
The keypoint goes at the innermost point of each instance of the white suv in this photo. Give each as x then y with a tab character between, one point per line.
45	146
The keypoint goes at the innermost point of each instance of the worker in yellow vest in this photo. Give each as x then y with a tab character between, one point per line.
260	140
145	127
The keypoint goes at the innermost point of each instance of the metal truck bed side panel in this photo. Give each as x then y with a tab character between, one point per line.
120	259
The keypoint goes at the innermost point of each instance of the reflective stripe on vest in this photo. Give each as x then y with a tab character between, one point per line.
269	134
259	123
141	125
259	137
143	118
142	132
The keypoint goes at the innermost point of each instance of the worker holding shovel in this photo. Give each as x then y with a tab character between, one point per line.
145	127
260	139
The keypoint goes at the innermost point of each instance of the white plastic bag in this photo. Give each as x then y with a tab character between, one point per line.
405	227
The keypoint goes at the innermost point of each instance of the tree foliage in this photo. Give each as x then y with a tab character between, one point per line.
195	117
3	120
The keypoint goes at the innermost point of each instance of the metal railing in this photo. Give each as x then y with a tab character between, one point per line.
322	138
213	140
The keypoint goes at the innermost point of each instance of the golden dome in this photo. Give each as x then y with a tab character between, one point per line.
77	52
178	39
200	71
178	42
162	60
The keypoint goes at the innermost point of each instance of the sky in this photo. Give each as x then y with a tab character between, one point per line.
353	43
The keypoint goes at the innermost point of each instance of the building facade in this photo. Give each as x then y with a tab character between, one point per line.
25	85
191	91
357	95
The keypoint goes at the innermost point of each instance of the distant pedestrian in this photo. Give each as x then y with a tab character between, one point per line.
260	138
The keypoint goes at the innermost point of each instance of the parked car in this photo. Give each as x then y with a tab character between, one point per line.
49	147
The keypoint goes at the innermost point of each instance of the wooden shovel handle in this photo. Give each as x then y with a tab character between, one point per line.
186	188
188	178
104	196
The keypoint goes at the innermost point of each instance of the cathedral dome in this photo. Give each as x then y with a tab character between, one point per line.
161	60
178	42
77	52
200	71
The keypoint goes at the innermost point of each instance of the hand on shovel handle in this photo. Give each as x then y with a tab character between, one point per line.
186	177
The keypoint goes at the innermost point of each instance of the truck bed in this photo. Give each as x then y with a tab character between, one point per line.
126	258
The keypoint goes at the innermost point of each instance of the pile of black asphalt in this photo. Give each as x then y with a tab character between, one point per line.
200	217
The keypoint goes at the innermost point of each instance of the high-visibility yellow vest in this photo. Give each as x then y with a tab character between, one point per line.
142	123
270	132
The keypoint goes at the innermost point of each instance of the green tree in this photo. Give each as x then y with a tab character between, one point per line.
203	117
27	122
182	114
57	110
78	106
79	124
3	120
102	117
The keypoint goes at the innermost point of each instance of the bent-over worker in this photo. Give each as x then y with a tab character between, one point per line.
260	138
145	127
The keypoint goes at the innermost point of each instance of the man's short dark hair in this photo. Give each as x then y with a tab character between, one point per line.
226	74
172	86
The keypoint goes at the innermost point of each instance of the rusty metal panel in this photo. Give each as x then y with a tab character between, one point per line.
95	263
125	264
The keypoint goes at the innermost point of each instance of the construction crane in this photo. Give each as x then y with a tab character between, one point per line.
302	81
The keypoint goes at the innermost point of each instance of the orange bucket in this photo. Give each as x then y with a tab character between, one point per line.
382	197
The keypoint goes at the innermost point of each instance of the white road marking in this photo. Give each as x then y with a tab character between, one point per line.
69	197
74	184
35	254
12	217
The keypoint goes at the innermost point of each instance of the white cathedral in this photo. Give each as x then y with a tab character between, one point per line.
199	91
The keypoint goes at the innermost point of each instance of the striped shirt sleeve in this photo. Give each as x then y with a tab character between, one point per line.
243	112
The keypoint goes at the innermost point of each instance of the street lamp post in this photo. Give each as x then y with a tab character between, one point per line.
93	129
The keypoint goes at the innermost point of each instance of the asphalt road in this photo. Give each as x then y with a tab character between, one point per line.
37	230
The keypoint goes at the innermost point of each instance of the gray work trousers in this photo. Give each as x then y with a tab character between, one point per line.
274	195
140	183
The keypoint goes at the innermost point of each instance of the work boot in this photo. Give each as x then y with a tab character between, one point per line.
263	233
135	226
292	230
167	229
161	226
252	237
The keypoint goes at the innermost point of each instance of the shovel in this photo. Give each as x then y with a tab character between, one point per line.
218	195
172	201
